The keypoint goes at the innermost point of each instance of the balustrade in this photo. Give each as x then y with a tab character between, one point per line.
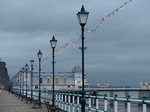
70	101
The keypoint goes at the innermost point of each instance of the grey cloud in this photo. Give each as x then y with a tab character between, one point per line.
116	53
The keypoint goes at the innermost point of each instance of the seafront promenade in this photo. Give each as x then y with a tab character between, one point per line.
11	103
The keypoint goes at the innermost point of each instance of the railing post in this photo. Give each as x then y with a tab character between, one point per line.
105	102
116	103
144	103
62	96
59	100
73	109
56	98
69	101
49	94
128	104
65	102
78	101
89	108
96	97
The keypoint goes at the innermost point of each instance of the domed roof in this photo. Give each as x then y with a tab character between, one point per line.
77	69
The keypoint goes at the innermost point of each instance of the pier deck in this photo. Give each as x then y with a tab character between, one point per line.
11	103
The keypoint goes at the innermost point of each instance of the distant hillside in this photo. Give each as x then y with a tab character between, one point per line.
4	78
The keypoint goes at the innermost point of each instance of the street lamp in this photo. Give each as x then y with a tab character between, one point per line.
39	54
53	43
26	67
18	83
23	80
31	63
20	80
82	18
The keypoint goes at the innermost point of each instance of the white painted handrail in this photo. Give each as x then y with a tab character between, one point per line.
70	102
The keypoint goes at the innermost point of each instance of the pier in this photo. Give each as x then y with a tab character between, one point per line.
69	100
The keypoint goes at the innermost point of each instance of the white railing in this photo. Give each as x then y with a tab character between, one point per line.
70	102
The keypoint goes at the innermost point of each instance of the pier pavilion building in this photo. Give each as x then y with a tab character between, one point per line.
62	80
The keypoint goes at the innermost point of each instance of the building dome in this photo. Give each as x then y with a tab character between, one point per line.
77	69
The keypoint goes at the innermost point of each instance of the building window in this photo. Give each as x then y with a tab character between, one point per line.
57	80
78	81
71	86
48	80
65	79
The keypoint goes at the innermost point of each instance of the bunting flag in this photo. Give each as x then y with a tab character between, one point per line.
61	48
99	23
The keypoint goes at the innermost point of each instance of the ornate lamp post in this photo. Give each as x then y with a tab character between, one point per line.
20	81
31	63
20	85
26	67
23	80
53	43
82	18
39	54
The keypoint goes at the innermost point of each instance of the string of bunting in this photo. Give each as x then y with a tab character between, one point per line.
87	29
105	17
59	49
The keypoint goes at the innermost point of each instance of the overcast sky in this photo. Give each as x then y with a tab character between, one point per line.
118	52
